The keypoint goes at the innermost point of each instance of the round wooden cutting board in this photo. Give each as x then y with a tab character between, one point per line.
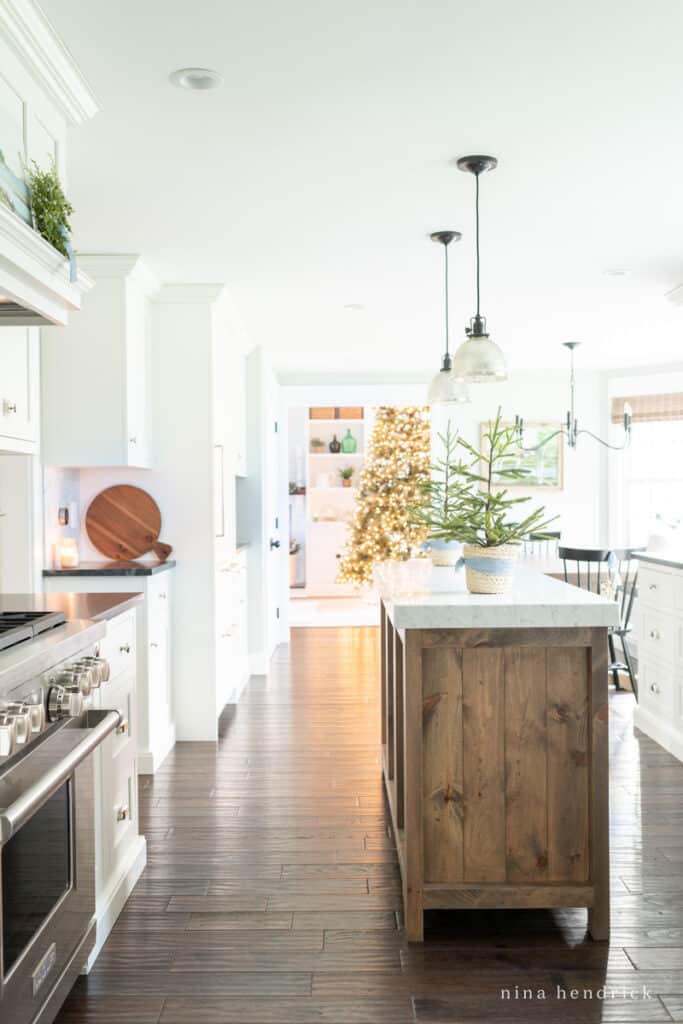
123	522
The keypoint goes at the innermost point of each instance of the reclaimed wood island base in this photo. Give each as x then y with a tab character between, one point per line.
495	748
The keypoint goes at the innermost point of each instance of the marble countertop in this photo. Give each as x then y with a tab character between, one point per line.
114	569
669	558
537	601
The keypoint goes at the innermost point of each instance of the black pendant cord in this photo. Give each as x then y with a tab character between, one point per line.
446	299
476	209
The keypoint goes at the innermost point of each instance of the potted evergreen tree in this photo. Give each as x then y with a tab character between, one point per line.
470	504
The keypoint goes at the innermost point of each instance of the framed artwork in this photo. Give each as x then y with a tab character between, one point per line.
545	466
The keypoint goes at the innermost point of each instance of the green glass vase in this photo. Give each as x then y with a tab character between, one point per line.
349	445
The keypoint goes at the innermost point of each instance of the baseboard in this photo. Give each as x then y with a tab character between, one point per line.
116	896
150	760
661	732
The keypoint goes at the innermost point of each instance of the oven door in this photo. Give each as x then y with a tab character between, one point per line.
47	874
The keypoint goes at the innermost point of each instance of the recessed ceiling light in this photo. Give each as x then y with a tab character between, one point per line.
616	272
196	78
354	307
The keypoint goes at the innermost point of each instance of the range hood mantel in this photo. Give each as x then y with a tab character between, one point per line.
35	288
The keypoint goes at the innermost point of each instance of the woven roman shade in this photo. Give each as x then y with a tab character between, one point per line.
649	408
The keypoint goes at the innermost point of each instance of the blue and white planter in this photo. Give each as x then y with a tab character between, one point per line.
490	570
445	552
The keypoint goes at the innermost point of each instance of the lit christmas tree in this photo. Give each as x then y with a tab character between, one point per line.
397	463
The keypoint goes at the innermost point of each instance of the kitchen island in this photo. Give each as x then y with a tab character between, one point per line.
495	747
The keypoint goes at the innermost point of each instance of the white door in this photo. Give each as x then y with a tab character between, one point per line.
275	532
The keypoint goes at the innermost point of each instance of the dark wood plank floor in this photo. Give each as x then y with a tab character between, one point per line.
272	897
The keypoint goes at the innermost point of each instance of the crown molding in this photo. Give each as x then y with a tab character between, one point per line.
104	265
40	48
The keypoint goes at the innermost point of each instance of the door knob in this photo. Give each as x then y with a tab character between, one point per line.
274	543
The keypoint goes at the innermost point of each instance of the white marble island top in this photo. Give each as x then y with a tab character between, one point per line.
536	602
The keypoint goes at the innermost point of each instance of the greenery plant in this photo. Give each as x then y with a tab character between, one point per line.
316	443
49	206
346	472
463	503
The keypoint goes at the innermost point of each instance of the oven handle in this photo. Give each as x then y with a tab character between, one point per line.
19	812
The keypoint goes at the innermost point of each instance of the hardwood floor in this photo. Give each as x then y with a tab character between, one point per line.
272	897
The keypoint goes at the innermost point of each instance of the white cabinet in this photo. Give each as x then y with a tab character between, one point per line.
660	655
232	659
96	380
120	851
149	654
19	389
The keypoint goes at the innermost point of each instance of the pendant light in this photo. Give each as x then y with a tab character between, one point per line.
478	360
571	431
445	389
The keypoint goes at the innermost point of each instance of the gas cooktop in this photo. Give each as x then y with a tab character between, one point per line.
16	627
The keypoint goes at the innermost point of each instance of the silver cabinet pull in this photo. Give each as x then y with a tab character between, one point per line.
654	634
153	643
8	407
124	649
162	596
123	813
653	586
132	440
655	688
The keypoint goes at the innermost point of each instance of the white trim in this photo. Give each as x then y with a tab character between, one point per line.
664	733
36	276
116	896
119	265
41	50
149	761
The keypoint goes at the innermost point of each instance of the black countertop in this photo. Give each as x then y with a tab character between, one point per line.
113	569
92	607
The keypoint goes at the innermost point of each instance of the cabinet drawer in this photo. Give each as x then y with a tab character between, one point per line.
119	810
657	634
656	687
656	589
120	696
118	645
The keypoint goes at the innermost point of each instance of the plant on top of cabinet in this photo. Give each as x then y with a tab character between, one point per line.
49	207
480	513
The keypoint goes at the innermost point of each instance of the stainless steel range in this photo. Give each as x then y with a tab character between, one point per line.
49	670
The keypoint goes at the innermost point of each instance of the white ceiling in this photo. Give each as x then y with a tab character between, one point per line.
313	177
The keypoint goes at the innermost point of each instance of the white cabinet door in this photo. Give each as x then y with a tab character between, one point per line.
159	692
137	344
18	385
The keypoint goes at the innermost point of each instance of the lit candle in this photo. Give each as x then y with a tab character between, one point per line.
68	553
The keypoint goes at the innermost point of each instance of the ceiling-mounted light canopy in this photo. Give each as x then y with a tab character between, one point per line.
478	360
199	79
445	388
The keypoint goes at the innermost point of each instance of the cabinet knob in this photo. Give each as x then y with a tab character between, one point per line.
8	407
224	635
654	688
123	813
124	649
132	440
654	634
123	728
153	643
653	586
162	596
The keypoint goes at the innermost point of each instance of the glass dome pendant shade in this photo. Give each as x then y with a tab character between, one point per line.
445	388
478	360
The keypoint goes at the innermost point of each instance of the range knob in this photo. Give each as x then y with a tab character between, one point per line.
98	668
8	739
64	702
19	713
77	676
